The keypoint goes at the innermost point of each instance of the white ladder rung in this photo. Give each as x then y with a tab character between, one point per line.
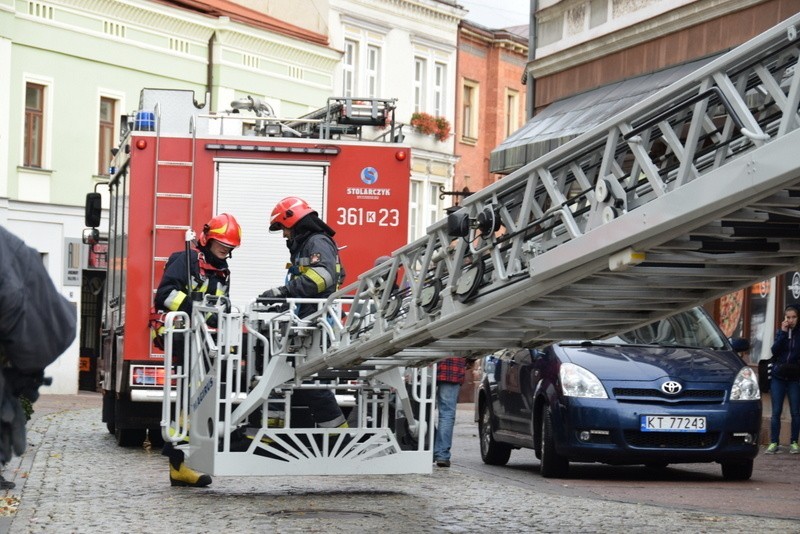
167	163
172	227
173	195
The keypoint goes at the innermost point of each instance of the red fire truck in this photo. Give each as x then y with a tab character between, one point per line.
178	165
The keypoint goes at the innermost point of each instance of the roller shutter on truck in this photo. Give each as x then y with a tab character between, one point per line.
249	190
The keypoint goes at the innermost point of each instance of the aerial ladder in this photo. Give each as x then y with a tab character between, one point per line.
684	197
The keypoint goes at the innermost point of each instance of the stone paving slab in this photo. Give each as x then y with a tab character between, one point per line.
74	478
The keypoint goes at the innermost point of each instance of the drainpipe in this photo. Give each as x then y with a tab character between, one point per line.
530	107
212	44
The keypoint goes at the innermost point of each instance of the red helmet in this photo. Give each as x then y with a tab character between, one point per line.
222	228
288	212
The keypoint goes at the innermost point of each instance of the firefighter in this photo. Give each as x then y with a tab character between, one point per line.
314	272
210	276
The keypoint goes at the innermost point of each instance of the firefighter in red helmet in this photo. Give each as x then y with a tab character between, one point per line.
288	212
314	272
208	265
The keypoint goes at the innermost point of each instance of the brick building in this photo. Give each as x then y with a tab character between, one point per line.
490	98
592	58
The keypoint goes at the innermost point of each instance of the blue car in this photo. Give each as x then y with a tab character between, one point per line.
674	391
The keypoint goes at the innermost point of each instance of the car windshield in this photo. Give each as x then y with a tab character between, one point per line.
693	328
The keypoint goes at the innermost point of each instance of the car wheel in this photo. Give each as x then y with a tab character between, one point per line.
492	452
657	466
553	465
738	470
130	437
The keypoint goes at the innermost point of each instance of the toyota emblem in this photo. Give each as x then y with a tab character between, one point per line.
671	387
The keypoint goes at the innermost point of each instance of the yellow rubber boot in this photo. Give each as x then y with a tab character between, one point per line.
185	476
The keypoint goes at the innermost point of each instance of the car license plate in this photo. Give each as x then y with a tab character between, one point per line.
672	423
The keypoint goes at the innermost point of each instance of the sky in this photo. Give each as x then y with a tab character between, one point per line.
495	14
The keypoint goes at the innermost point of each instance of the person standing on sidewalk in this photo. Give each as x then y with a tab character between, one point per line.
449	377
37	324
785	379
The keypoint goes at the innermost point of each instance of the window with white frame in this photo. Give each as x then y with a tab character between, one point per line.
415	202
106	124
431	80
349	63
373	71
434	207
425	205
439	84
420	74
33	143
362	62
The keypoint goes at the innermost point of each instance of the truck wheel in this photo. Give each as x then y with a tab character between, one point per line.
130	437
492	452
737	470
156	439
108	412
553	465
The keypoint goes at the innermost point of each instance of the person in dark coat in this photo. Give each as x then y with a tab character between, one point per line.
786	354
37	324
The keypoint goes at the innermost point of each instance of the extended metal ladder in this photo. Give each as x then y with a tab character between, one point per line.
687	196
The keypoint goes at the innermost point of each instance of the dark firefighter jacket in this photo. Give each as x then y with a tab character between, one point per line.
172	293
314	271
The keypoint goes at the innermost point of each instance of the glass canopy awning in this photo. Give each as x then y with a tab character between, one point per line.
567	118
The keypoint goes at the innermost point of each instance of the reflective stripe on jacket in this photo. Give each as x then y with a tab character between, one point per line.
315	270
172	293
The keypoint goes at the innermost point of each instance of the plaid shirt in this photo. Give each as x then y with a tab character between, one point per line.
451	370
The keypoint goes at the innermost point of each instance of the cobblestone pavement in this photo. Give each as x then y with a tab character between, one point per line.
74	478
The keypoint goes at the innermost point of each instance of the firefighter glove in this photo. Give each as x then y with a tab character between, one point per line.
275	293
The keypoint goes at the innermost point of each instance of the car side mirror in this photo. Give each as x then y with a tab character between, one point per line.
538	354
740	344
93	210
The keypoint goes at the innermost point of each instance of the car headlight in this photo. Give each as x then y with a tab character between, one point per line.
745	385
578	382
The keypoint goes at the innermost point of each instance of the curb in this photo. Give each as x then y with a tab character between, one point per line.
18	468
